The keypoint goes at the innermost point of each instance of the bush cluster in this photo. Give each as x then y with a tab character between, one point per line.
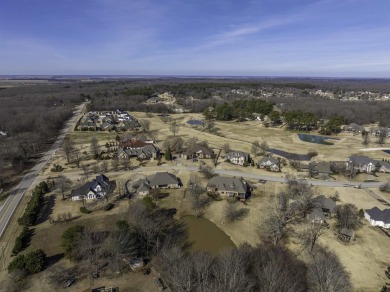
20	241
31	263
34	205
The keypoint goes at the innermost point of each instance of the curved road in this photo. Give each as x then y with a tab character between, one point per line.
16	195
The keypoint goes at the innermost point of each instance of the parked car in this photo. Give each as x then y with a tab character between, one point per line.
69	282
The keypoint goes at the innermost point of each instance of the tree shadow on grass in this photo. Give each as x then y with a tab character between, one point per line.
47	209
51	260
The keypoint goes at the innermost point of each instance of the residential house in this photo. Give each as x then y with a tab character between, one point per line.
99	188
378	217
229	187
380	131
198	151
159	180
269	163
327	205
366	164
106	127
318	168
139	149
354	128
237	157
163	180
316	216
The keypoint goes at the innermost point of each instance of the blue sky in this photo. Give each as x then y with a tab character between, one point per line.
335	38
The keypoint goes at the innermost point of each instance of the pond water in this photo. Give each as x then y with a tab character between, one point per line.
204	235
316	139
386	151
195	122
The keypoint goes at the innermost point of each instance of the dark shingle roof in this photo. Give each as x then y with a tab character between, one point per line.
379	215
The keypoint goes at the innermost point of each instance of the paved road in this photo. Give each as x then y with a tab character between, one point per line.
13	200
325	183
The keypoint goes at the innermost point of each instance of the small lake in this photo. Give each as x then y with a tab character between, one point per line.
195	122
316	139
386	151
204	235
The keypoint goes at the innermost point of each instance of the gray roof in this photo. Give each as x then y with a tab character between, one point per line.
234	184
316	214
325	203
199	148
362	160
347	232
355	127
321	167
162	178
358	159
143	187
379	215
101	180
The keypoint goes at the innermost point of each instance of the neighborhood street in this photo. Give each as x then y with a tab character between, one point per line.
13	200
325	183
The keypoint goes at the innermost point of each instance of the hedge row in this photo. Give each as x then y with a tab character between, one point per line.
30	215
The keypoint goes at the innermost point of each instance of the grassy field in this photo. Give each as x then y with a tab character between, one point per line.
365	259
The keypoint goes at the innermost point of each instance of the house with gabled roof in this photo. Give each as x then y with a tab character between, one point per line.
198	151
316	216
327	205
158	180
98	188
147	151
355	128
237	157
366	164
229	187
378	217
270	163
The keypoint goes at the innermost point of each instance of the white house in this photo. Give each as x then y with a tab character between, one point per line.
377	217
96	189
237	157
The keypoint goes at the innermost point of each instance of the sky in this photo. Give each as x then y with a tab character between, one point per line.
324	38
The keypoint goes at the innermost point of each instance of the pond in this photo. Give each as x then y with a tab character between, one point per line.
316	139
204	235
195	122
386	151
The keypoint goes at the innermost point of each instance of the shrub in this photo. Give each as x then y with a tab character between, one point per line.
31	263
20	241
312	153
85	210
148	201
33	206
69	240
108	207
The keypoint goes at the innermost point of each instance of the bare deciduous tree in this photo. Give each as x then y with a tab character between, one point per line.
63	185
348	216
115	163
68	147
145	124
255	147
232	213
226	148
310	234
94	146
174	128
326	273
